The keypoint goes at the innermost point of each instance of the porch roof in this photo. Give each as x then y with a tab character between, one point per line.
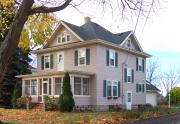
54	73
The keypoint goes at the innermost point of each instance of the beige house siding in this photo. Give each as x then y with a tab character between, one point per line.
54	42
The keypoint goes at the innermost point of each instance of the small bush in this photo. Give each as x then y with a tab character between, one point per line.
50	103
24	102
131	114
115	108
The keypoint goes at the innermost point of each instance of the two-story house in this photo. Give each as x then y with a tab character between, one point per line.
105	68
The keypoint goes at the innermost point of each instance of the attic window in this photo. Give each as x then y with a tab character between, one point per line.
63	38
129	43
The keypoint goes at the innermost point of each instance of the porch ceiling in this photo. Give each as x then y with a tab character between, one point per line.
51	73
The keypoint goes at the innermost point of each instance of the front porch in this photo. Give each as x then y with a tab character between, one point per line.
38	85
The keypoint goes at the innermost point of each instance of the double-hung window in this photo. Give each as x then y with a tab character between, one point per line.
63	38
81	86
58	85
27	87
112	57
82	56
140	64
47	61
140	87
129	75
129	43
112	89
33	87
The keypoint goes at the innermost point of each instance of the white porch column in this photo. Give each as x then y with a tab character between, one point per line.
23	87
72	83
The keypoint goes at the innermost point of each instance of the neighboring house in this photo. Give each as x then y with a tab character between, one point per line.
105	68
152	93
33	69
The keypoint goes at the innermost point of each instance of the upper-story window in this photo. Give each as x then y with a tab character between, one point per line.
82	56
63	38
140	87
140	64
129	43
47	61
111	58
129	75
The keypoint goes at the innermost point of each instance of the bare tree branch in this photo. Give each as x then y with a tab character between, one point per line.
44	9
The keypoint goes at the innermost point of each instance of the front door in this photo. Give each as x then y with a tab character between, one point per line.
129	100
60	61
44	89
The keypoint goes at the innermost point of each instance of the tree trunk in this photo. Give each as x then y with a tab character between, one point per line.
9	45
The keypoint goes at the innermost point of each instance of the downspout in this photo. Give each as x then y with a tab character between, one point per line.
123	65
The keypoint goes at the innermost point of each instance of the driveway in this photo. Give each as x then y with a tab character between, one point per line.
167	119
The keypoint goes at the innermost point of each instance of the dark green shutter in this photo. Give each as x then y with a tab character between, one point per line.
76	58
136	87
87	56
143	65
116	59
132	76
107	57
104	88
42	62
136	64
125	75
143	88
51	61
119	89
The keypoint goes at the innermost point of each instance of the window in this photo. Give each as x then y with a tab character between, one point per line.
30	87
139	87
129	75
33	87
27	87
129	97
58	86
129	43
81	86
112	57
85	86
47	62
77	86
63	38
140	64
82	56
109	89
112	88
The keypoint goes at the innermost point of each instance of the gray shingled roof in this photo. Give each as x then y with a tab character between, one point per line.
151	87
91	30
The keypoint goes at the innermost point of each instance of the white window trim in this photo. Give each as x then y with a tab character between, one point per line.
110	50
79	57
112	84
60	36
81	88
129	70
127	96
49	61
129	42
54	85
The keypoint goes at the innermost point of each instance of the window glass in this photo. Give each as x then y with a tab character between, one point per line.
47	61
129	74
129	97
27	87
33	87
115	89
63	37
82	56
85	86
112	58
129	43
139	87
77	86
109	88
68	37
140	64
59	39
58	87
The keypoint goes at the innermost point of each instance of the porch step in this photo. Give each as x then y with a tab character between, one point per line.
38	106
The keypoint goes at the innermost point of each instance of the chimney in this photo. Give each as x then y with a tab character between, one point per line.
87	19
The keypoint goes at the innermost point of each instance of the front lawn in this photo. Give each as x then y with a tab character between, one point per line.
19	116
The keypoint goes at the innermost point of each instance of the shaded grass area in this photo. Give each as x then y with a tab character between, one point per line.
19	116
